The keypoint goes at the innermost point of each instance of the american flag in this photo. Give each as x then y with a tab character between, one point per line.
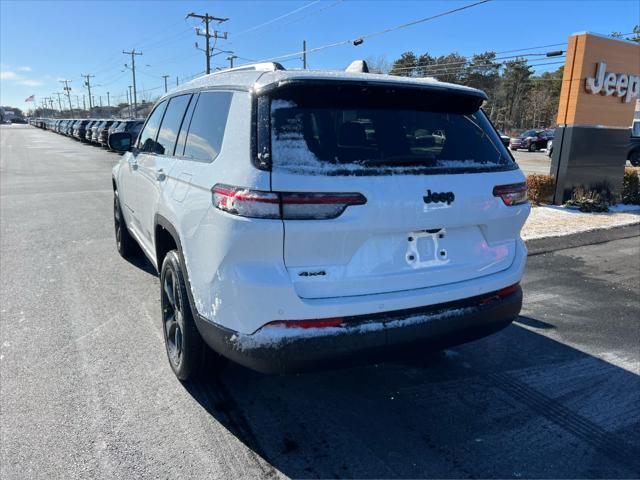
32	98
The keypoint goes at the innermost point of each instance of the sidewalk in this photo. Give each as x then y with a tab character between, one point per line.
555	221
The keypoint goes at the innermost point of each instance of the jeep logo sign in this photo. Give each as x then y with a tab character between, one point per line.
620	85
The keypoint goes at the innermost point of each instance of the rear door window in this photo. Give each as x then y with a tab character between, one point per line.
360	131
206	129
171	123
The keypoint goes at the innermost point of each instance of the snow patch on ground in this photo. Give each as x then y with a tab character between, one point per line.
557	221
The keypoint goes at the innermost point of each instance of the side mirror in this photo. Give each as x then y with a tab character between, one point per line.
120	141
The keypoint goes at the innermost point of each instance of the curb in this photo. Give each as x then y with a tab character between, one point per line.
539	246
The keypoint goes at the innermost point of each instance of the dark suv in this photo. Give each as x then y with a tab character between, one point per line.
131	126
80	129
531	140
102	132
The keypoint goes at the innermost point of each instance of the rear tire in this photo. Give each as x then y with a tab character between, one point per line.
125	243
186	350
533	147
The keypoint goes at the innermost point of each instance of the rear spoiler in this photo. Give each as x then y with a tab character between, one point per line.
431	96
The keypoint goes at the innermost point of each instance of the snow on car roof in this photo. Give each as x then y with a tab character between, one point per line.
260	79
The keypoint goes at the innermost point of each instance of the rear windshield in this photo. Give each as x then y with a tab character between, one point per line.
371	131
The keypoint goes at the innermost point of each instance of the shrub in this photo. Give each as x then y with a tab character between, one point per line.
541	188
631	186
596	200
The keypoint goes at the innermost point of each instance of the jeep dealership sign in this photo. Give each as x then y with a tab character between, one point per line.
600	82
623	85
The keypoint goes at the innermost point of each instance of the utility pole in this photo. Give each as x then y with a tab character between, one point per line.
87	84
59	101
231	58
108	100
165	82
133	54
176	80
206	18
84	103
100	97
130	97
67	89
304	54
78	102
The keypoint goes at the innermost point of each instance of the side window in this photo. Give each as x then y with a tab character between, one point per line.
185	126
147	139
171	123
206	129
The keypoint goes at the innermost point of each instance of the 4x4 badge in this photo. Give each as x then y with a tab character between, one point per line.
439	197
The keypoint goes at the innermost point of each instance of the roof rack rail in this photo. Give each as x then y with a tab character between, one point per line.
262	67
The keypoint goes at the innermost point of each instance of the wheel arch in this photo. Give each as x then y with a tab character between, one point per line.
163	230
166	238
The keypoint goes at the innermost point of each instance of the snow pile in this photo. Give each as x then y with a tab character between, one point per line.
556	221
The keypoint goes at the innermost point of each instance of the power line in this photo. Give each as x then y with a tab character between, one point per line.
381	32
457	69
314	13
273	20
465	63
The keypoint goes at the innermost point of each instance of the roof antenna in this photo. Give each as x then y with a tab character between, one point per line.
358	66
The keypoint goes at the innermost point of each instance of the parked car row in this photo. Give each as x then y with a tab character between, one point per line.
90	130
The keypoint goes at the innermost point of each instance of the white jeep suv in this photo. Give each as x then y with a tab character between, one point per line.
301	219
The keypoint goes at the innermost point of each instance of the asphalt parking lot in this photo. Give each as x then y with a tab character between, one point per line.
86	391
538	163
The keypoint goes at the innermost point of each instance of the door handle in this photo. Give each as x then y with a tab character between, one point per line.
160	175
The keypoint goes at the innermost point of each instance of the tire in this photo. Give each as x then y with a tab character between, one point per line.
634	158
187	352
125	243
532	147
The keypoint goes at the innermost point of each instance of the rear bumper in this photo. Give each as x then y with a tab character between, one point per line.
364	338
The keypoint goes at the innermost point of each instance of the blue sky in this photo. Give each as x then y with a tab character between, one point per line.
43	42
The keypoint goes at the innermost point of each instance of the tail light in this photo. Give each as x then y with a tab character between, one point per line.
314	323
514	194
284	205
500	294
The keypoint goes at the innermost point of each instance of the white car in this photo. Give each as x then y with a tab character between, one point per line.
298	220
